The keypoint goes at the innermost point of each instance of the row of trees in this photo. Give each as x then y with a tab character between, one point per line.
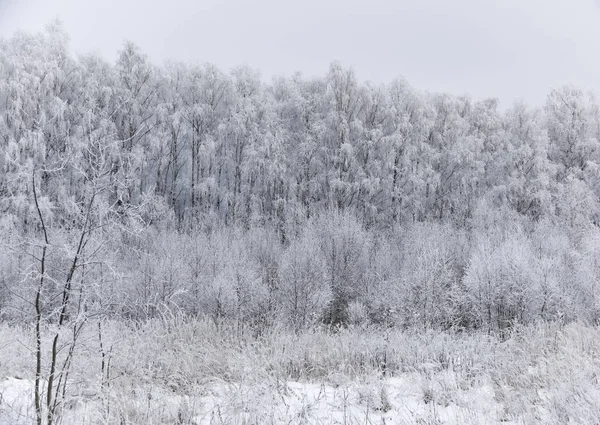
501	271
211	147
298	201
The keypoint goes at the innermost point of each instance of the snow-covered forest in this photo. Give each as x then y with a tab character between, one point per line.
138	200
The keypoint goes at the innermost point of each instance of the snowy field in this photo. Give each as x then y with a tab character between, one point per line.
190	372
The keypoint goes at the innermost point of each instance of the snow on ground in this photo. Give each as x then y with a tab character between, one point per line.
180	375
399	400
15	401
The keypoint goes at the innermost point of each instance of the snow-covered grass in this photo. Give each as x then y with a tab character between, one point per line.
183	371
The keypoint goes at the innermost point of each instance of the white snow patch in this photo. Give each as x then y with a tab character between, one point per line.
16	401
400	400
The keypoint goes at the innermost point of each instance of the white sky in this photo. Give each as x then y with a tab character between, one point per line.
508	49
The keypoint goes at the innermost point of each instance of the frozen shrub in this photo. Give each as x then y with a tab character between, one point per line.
304	292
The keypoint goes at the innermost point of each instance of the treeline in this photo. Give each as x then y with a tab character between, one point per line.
298	201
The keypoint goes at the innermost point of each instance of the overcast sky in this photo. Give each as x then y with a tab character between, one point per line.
509	49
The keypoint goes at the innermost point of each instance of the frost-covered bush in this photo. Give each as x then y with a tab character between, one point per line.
344	247
304	292
502	284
